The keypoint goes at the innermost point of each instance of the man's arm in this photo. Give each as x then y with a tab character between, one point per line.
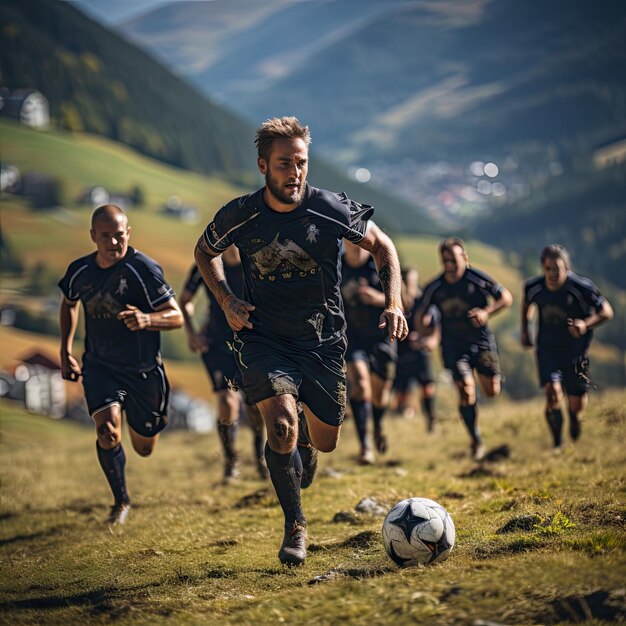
388	266
480	317
525	339
196	341
68	321
165	317
237	311
579	327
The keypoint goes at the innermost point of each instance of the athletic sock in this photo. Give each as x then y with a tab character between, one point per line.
113	462
470	418
574	425
361	409
285	472
428	406
554	418
377	413
228	435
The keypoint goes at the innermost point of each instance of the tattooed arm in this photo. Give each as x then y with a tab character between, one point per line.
388	266
237	311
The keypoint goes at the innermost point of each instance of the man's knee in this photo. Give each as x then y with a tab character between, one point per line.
554	394
109	436
282	434
467	391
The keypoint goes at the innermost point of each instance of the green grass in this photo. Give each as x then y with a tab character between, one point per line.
191	554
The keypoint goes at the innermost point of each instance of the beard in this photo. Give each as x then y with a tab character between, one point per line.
286	196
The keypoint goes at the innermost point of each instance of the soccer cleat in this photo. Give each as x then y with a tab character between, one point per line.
119	513
308	455
293	550
478	450
366	457
380	441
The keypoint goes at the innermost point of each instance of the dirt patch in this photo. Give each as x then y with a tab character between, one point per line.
520	523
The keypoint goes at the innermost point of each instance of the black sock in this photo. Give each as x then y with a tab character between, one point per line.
304	439
377	414
428	405
361	411
285	472
574	425
228	434
113	463
554	418
470	418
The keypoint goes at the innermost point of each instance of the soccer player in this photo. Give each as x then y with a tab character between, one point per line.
289	326
466	298
214	343
126	302
414	360
569	307
370	356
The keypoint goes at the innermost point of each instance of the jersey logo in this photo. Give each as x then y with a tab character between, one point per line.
122	287
283	256
312	232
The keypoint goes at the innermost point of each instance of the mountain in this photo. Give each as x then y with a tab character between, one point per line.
96	81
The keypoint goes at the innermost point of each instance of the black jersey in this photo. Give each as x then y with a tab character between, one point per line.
454	301
291	262
576	299
136	279
362	319
216	330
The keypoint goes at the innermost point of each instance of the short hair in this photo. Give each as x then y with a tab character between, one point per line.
555	251
106	211
451	242
276	128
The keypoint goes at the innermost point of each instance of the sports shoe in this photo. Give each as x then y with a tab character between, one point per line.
366	457
478	450
119	513
380	441
293	550
231	470
308	454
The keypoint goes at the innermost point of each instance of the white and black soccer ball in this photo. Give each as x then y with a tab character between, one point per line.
418	531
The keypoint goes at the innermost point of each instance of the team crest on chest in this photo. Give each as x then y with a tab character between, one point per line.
122	287
312	232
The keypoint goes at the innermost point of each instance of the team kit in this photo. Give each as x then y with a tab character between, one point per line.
311	317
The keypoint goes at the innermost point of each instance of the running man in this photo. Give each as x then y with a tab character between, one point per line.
214	344
290	326
414	359
466	298
569	307
126	302
370	356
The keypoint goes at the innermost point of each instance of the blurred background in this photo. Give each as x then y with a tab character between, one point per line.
500	121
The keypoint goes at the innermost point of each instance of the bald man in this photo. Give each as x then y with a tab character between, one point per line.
126	302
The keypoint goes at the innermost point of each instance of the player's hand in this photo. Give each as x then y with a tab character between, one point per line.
134	318
70	370
237	312
197	343
395	322
369	295
577	328
479	317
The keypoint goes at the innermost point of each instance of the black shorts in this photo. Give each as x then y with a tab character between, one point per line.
220	365
143	396
480	357
556	368
381	356
315	377
414	365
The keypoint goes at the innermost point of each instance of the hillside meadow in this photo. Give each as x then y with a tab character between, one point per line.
540	537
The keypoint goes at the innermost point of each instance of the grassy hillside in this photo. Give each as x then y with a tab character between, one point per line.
195	552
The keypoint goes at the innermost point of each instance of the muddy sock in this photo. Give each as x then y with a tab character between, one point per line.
361	411
554	417
113	463
285	472
228	435
470	419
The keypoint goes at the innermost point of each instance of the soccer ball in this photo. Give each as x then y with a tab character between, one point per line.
418	531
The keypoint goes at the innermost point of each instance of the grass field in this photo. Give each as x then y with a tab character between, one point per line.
196	552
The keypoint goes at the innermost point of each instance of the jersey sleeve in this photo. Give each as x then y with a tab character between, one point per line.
151	279
194	280
222	231
68	284
592	294
358	218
